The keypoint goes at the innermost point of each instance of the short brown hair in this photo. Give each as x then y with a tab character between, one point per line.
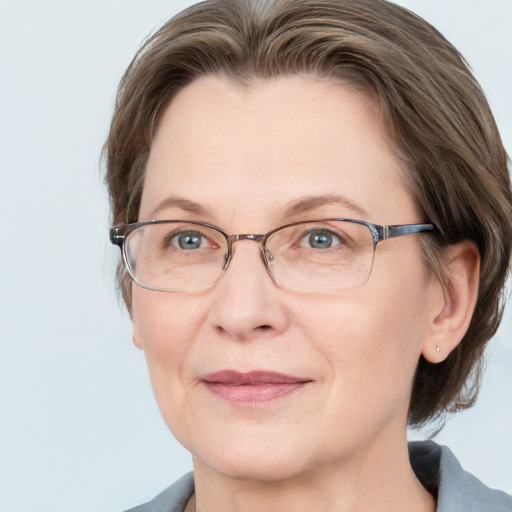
440	123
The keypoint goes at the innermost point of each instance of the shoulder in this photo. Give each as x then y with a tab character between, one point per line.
173	499
457	490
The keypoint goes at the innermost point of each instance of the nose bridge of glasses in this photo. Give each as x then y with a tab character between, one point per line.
248	236
254	238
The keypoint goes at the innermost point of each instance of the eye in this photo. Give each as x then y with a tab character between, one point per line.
320	239
188	240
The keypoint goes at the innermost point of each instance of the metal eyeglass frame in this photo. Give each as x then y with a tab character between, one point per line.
120	232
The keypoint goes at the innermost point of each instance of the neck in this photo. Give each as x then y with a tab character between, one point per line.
369	481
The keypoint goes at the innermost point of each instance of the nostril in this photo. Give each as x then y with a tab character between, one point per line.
244	336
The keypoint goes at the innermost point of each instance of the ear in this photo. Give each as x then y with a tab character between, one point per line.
136	336
452	315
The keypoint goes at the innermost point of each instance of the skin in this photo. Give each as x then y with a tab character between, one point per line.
339	443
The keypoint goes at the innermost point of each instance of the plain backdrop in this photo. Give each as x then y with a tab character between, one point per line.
79	427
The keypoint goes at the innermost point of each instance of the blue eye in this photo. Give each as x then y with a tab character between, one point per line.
320	239
188	240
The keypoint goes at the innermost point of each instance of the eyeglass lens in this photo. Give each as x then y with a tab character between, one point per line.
310	256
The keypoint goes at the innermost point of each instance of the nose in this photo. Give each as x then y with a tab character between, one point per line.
247	302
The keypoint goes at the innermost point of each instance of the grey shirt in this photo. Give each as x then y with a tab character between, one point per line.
435	466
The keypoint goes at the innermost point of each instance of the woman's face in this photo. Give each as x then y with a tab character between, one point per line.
334	370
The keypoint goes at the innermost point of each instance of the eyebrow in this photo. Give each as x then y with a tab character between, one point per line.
306	204
295	207
182	203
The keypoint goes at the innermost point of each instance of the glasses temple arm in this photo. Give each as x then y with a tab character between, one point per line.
408	229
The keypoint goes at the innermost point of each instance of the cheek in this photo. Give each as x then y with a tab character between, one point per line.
371	338
162	323
164	327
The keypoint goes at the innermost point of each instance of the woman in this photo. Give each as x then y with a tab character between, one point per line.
291	367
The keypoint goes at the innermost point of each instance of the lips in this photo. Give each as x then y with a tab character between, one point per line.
253	388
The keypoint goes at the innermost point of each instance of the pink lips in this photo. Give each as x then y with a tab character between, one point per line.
252	388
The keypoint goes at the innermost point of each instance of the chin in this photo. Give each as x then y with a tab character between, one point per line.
253	458
262	467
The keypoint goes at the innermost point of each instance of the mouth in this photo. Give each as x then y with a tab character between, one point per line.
253	388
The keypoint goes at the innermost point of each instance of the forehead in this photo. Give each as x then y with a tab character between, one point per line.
248	152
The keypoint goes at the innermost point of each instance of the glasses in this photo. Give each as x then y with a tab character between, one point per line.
309	256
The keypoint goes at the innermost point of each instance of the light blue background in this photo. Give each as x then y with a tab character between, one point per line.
79	428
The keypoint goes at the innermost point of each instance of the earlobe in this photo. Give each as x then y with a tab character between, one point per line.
450	322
